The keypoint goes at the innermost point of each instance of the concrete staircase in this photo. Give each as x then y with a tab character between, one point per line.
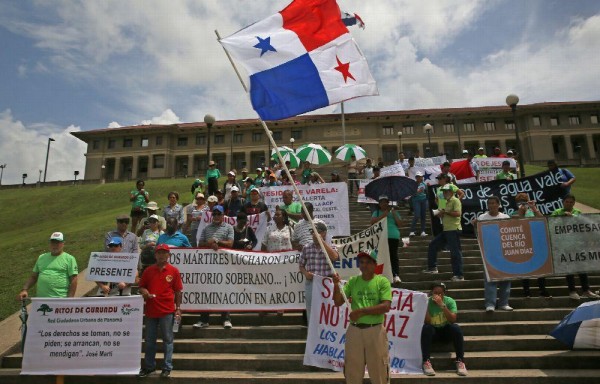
501	346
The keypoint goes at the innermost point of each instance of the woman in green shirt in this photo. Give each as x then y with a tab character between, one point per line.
212	177
384	209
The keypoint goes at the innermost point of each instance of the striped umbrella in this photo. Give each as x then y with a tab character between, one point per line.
314	154
288	154
346	151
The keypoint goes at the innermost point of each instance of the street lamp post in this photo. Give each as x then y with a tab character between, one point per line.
209	120
428	128
292	140
75	174
47	154
24	176
2	172
512	100
268	162
231	148
40	178
399	142
103	170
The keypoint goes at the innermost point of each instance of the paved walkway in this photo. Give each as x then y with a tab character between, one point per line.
586	208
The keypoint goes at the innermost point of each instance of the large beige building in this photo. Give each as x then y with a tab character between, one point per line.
568	132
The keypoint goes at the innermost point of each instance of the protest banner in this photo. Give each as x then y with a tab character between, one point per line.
543	188
234	280
392	170
575	243
361	198
330	202
515	248
374	237
84	336
258	223
489	167
112	267
327	331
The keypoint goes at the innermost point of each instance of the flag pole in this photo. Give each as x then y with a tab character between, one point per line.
287	172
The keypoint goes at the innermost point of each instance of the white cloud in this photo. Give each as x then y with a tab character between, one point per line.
22	70
167	117
114	124
23	150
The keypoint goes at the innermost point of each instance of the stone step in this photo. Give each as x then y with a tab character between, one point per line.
422	282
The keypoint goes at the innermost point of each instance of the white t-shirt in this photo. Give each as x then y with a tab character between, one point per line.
487	216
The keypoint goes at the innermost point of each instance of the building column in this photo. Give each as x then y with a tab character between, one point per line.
568	147
590	145
190	166
117	168
134	167
248	160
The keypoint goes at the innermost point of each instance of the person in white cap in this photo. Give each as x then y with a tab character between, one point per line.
419	204
234	204
54	272
229	183
152	209
480	153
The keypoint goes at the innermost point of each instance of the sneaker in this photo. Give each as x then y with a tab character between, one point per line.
423	234
506	308
200	324
165	373
457	278
145	372
433	270
590	295
227	324
461	369
574	295
411	234
490	308
428	369
397	280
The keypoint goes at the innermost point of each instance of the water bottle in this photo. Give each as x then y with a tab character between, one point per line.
176	324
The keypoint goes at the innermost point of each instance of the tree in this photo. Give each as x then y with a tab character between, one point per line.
44	308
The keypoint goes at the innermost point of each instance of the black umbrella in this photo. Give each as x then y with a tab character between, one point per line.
396	188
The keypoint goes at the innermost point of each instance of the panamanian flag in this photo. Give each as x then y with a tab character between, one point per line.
300	59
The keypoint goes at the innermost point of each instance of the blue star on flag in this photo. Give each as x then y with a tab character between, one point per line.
427	175
264	45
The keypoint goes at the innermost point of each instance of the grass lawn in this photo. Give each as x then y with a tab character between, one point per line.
585	189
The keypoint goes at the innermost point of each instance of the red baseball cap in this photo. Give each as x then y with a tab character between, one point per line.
162	247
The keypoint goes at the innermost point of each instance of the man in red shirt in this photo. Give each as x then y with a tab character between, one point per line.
161	288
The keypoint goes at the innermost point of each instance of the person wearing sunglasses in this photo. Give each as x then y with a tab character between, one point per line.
130	240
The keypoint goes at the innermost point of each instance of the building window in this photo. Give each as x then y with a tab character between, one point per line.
182	141
238	138
277	135
256	136
219	139
555	147
469	127
509	125
127	143
536	121
297	134
388	130
95	144
489	126
158	140
448	127
158	161
594	119
554	121
144	142
112	143
574	120
408	130
200	139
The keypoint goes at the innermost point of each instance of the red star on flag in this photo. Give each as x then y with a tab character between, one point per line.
344	69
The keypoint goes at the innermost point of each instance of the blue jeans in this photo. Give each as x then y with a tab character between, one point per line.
452	240
308	287
420	209
491	292
166	328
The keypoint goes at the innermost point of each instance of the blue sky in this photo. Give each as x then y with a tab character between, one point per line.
79	65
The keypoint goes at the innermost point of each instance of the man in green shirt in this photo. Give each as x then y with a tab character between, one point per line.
440	324
55	272
293	208
506	174
366	337
450	236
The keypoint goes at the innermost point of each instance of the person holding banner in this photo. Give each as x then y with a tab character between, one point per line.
313	262
440	324
54	272
384	209
570	210
254	205
243	235
293	208
279	234
506	174
366	337
480	153
565	176
527	208
115	289
491	287
161	288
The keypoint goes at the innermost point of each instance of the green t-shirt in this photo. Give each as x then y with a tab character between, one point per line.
440	196
437	314
139	200
213	173
367	294
393	230
54	274
528	213
295	207
506	176
451	223
562	212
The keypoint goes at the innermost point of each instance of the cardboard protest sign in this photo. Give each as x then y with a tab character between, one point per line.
84	336
575	243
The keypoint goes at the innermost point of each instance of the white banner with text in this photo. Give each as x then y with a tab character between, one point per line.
258	223
112	267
